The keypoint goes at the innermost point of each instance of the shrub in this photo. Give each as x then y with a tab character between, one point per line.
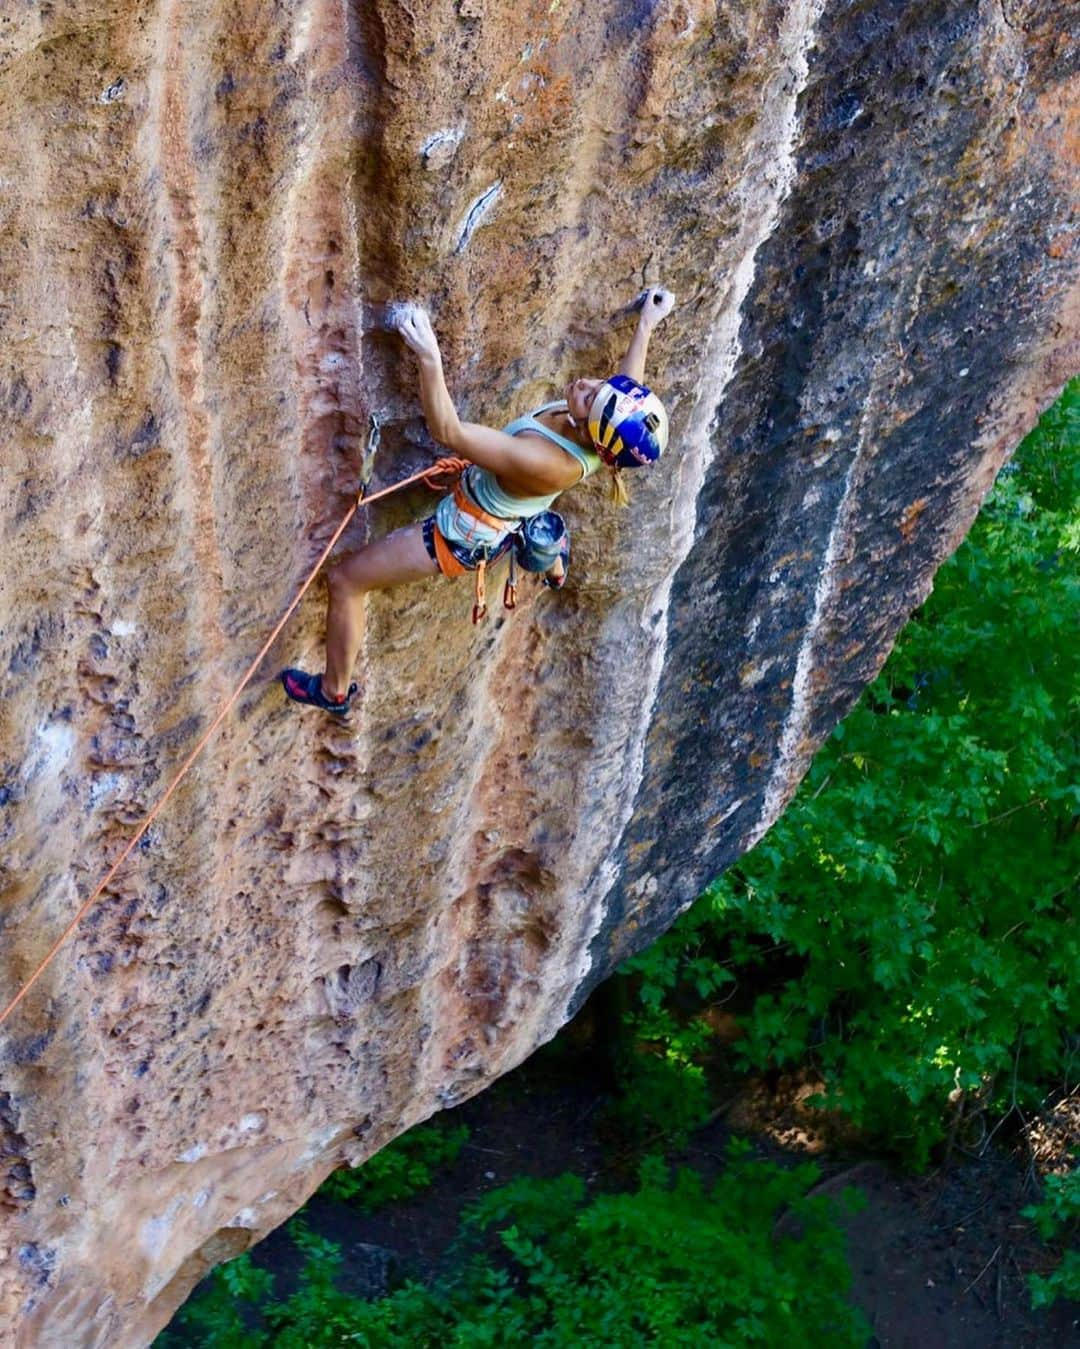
677	1262
674	1263
1057	1218
402	1168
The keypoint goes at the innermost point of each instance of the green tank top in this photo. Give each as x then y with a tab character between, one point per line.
488	493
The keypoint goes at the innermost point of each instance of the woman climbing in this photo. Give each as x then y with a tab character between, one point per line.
514	476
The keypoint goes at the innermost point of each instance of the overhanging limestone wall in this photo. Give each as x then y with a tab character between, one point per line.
864	209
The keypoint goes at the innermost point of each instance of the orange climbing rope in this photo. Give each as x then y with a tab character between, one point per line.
449	466
453	468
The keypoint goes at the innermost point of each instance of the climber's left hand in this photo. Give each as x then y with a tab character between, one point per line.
414	325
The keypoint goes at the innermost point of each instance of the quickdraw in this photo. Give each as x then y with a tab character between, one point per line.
479	609
510	588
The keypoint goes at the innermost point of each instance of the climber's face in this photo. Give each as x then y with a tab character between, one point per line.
579	396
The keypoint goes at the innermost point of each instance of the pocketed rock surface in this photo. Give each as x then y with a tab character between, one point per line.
332	932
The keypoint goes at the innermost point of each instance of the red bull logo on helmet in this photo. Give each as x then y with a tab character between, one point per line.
627	423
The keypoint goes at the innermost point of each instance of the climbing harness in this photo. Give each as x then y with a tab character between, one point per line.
535	543
439	468
451	562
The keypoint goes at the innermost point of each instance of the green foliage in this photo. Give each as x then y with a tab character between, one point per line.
318	1313
664	1093
674	1263
664	1090
221	1313
1057	1218
677	1263
402	1168
923	881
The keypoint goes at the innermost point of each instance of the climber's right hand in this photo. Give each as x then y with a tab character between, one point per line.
654	305
416	331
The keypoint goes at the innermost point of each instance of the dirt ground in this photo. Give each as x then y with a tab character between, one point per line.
938	1260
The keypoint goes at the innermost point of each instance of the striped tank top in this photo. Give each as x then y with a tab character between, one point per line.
457	526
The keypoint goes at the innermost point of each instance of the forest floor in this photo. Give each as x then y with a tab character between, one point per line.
938	1260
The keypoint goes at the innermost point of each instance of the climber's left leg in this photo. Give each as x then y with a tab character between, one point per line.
398	558
392	561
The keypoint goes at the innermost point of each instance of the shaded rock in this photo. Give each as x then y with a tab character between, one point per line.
371	1269
333	931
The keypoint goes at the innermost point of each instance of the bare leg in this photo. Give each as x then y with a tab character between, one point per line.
392	561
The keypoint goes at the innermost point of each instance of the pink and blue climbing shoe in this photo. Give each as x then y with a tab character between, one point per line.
302	687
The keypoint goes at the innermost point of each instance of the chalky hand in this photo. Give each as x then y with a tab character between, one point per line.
654	304
414	325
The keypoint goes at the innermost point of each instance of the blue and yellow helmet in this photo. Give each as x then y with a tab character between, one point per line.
627	423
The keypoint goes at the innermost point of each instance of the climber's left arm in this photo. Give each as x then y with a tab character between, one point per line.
414	325
653	305
533	464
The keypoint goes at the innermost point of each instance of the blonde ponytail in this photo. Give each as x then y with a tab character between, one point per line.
620	494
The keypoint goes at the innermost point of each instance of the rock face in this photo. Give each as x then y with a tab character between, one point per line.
333	932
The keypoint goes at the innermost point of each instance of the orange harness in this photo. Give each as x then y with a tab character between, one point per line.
450	566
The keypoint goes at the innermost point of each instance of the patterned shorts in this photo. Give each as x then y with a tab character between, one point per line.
468	558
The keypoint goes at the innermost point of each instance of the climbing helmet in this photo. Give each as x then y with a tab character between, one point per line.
627	423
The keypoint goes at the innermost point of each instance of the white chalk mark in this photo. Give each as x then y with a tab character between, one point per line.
398	313
105	784
441	146
474	216
55	742
154	1233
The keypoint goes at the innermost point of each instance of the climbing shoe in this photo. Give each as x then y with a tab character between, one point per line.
302	687
555	582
